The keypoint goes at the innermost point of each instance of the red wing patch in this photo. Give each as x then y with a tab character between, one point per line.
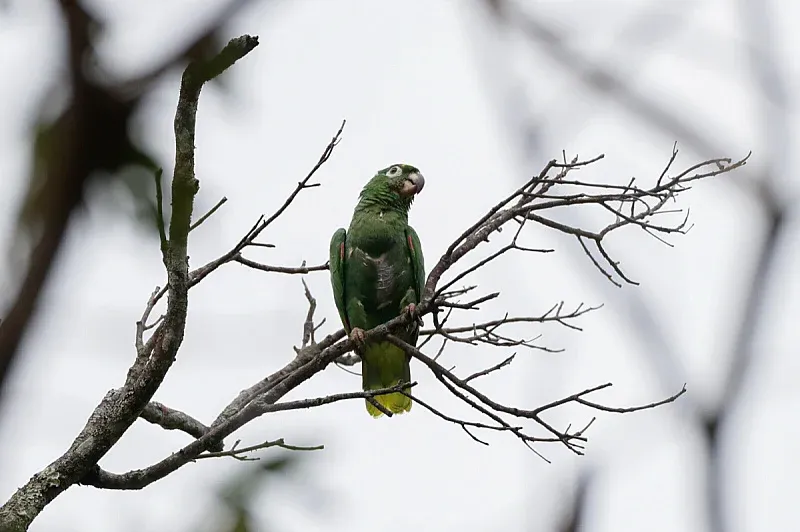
341	251
411	244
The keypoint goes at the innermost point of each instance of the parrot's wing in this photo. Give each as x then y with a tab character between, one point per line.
417	261
337	267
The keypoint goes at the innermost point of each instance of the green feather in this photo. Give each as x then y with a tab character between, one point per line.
337	273
377	270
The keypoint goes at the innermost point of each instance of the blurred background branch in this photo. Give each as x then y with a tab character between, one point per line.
615	80
89	139
121	407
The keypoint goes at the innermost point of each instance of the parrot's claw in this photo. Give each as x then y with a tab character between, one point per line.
411	310
357	336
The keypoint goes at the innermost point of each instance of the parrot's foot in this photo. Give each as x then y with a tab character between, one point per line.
411	310
357	336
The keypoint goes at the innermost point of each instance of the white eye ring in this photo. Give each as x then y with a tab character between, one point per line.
394	171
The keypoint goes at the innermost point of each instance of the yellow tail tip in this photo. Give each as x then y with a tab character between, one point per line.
396	403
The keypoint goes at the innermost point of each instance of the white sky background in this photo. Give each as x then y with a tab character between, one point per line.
408	79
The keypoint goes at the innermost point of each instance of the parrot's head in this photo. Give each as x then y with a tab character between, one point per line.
394	187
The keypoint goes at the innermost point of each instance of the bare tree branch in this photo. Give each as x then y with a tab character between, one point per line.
208	215
239	453
162	232
487	332
233	255
486	371
170	419
280	269
492	408
140	478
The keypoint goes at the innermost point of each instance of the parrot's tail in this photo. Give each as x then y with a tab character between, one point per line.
396	403
384	366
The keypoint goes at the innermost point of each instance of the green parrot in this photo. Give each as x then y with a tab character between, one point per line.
377	273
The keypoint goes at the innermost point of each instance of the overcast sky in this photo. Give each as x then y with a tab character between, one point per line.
418	83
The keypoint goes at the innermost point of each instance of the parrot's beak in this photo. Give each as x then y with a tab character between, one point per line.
413	184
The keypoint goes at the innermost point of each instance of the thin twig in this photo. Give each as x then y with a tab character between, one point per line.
207	215
237	452
486	371
301	270
162	234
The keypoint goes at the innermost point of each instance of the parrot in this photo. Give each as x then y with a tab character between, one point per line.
377	273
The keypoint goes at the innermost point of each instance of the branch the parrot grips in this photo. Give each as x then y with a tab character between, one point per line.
377	274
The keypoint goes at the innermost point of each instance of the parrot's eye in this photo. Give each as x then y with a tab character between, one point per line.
394	171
